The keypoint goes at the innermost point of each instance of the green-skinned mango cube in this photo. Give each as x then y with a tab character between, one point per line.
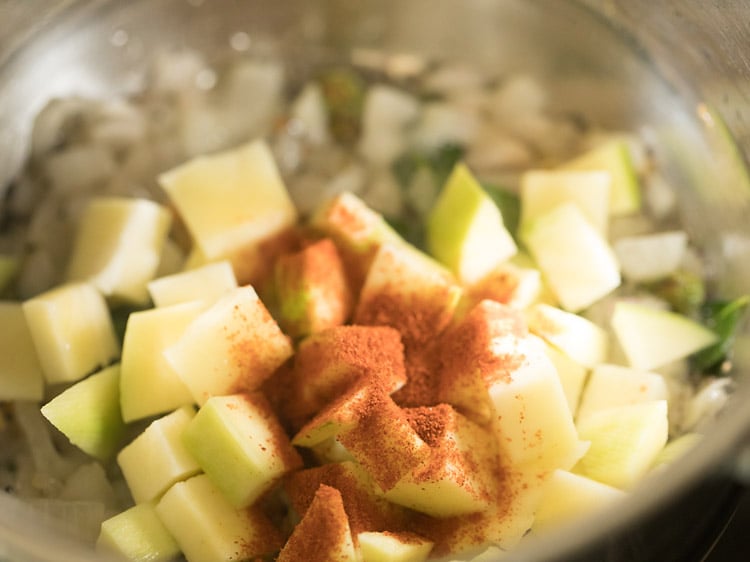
137	535
240	445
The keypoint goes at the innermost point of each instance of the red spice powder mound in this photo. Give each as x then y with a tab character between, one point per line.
422	378
328	362
431	423
346	411
322	532
442	428
385	444
419	317
366	511
262	537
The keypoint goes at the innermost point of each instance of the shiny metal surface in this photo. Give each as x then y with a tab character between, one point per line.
637	63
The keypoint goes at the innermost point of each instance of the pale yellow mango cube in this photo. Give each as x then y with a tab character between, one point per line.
157	458
205	283
232	346
207	527
118	246
232	200
72	331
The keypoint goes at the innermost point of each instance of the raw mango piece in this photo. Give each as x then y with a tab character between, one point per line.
149	384
383	441
625	441
366	509
323	534
401	278
393	547
357	230
531	417
88	413
543	190
312	290
205	283
240	445
118	246
338	417
21	376
138	535
614	157
157	458
232	346
458	478
579	338
652	337
329	362
207	527
650	257
567	496
232	202
610	386
498	374
465	229
503	523
470	360
72	331
577	262
518	287
572	375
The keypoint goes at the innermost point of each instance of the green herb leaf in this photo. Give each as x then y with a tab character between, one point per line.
724	319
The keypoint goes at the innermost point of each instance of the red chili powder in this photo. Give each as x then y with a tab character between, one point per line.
257	347
254	264
320	534
442	427
385	444
468	346
366	511
419	317
261	539
327	363
422	378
